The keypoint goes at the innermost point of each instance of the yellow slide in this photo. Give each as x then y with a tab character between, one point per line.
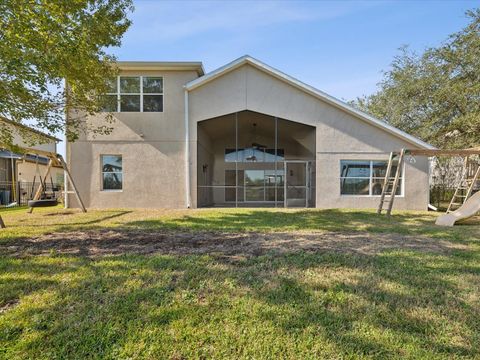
468	209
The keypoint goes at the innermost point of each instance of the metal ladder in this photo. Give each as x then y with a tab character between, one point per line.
387	196
466	184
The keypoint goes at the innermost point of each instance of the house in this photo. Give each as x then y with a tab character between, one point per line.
19	173
243	135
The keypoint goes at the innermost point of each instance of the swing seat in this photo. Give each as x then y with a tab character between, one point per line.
42	203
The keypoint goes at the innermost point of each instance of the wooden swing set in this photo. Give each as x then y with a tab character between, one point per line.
469	177
53	160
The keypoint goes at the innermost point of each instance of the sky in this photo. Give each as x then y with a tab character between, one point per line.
340	47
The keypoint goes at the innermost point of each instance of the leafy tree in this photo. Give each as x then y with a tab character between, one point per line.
435	95
45	42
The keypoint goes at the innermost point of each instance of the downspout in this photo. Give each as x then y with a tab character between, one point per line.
187	154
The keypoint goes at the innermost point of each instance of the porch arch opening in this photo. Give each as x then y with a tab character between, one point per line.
249	159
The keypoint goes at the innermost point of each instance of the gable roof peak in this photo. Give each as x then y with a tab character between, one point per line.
247	59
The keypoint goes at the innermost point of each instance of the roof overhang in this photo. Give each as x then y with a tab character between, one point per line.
27	128
162	65
440	152
24	152
6	154
309	90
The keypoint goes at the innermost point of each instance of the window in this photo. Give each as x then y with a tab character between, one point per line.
270	155
254	155
112	172
110	101
254	185
272	181
130	94
152	94
134	94
365	177
231	155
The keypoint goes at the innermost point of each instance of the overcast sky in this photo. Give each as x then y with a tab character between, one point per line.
340	47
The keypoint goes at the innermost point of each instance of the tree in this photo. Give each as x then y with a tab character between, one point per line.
435	95
45	42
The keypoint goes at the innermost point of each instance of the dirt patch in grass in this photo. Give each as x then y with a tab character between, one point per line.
8	305
233	245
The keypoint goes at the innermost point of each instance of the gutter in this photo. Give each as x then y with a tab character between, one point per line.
187	154
196	66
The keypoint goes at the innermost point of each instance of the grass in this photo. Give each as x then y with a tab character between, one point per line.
47	220
300	305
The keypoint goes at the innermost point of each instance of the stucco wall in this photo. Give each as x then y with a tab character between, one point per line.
152	146
339	135
27	171
24	137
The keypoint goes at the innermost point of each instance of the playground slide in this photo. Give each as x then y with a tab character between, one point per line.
468	209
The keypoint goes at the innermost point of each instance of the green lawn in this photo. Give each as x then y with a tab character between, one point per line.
396	303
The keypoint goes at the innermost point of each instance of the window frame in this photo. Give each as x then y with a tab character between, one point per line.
119	94
371	178
241	188
102	189
242	159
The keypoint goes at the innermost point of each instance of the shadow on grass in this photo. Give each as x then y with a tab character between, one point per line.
23	230
322	220
78	225
298	305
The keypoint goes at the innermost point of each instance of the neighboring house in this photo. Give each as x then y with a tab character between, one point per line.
19	171
245	134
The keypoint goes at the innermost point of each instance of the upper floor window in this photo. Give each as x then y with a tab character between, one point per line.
134	94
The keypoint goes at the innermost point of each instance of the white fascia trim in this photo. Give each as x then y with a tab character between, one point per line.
162	65
217	73
308	89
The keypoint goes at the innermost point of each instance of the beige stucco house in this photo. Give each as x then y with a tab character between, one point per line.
20	173
244	135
